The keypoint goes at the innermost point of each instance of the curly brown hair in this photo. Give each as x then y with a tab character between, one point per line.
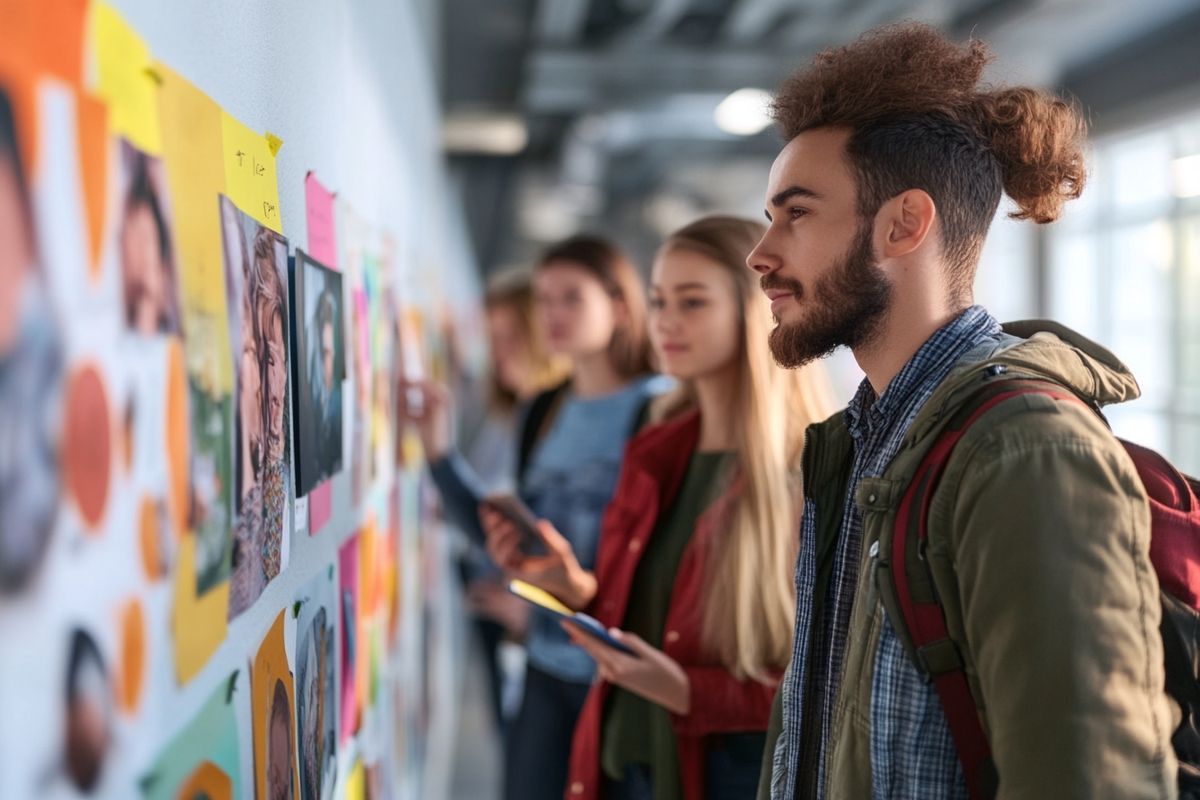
919	119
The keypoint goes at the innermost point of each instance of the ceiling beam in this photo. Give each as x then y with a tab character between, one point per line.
574	81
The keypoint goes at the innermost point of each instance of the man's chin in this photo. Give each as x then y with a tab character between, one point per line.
793	346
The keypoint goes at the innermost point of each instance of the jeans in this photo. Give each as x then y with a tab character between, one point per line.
539	741
731	771
733	764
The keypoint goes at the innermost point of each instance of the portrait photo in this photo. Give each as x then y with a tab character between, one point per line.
319	369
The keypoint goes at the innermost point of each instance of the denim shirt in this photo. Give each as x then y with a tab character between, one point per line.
570	480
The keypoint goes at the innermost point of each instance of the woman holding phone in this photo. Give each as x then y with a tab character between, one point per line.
591	306
697	547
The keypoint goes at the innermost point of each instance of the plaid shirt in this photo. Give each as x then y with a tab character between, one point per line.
912	753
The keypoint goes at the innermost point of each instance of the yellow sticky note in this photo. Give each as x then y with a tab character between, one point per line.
190	122
125	80
356	783
250	180
198	623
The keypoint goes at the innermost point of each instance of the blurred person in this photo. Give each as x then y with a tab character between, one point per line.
521	367
591	305
697	545
1037	547
325	383
31	366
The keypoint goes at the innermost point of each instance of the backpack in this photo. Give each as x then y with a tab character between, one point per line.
918	617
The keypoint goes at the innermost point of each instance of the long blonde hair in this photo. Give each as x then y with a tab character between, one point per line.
749	608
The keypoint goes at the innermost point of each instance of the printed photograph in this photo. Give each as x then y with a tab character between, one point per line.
257	299
319	370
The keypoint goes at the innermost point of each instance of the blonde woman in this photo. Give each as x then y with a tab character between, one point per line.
697	546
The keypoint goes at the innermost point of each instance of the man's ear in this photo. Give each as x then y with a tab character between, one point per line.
904	223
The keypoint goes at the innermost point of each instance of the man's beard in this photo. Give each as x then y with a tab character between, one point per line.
845	308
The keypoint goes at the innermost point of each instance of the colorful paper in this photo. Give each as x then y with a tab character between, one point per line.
250	180
125	80
316	690
348	587
272	699
202	759
190	124
322	236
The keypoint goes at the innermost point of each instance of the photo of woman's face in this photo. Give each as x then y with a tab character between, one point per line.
276	364
250	395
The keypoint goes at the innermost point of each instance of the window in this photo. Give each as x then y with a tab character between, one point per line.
1123	268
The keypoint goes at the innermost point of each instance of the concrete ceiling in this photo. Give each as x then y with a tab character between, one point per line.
617	96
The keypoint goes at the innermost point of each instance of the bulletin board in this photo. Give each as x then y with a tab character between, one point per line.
224	232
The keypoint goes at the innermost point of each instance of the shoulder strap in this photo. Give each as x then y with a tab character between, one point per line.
917	614
537	418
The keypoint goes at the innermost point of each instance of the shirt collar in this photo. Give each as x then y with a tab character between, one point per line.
923	371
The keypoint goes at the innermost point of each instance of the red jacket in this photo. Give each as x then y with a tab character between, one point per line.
654	467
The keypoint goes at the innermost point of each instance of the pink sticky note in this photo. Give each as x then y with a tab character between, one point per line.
320	506
322	238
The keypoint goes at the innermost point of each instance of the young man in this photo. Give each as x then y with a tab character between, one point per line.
1039	529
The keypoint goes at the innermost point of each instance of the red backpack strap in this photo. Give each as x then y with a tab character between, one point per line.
922	624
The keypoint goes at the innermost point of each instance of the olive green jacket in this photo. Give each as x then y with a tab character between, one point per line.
1039	545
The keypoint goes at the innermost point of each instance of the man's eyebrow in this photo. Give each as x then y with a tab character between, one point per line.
794	191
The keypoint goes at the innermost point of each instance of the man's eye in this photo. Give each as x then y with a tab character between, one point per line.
798	212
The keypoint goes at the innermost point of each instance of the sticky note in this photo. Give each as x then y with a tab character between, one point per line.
126	81
250	178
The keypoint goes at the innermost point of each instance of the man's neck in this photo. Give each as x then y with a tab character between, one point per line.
906	326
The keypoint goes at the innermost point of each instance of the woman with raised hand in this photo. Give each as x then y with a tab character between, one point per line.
694	573
591	306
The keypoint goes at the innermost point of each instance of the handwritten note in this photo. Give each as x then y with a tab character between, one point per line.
250	178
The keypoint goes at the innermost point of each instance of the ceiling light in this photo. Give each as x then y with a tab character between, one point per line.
484	132
744	113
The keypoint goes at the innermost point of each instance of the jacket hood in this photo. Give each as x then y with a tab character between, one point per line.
1039	349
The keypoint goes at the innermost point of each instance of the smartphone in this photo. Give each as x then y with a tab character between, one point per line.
589	625
523	519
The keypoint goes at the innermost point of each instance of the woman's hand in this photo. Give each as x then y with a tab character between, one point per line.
650	674
430	414
557	571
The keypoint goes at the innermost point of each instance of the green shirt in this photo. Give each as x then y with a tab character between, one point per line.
637	731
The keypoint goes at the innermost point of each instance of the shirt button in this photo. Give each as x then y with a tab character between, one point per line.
672	636
635	545
576	788
871	498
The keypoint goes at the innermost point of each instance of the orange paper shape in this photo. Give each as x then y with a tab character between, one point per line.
208	781
272	703
94	148
177	433
149	533
131	672
88	444
47	35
